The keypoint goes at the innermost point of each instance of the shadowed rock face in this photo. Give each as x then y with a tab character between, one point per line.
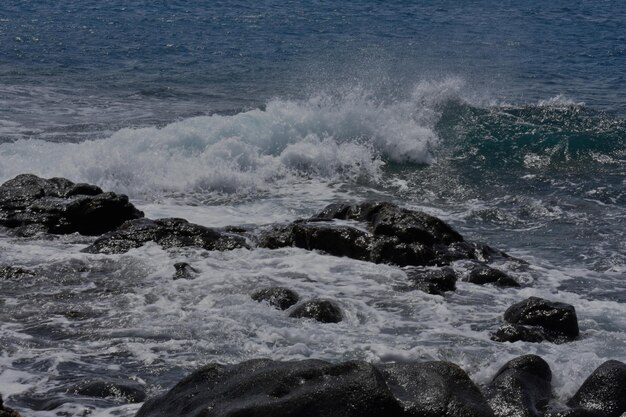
59	206
435	389
536	319
264	388
167	233
521	388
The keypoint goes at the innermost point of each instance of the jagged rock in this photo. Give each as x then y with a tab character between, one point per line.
521	388
381	233
184	271
486	275
517	332
324	311
431	281
132	393
7	412
603	394
167	233
388	219
557	320
279	297
59	206
435	389
265	388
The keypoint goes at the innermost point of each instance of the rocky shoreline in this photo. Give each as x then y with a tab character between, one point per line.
422	245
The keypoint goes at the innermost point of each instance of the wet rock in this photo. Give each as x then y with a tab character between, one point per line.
431	281
12	272
603	394
279	297
184	271
7	412
132	393
59	206
265	388
557	320
380	232
334	240
486	275
435	389
521	388
324	311
167	233
388	219
517	332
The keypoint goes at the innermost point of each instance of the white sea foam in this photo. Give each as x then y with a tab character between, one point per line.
329	137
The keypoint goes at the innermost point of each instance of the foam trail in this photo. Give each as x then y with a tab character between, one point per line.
344	137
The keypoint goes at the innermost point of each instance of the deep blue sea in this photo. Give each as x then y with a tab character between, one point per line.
506	119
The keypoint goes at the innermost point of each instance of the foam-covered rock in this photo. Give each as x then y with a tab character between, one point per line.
431	281
485	275
184	271
521	388
129	392
59	206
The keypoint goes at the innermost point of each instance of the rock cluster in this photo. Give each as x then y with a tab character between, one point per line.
59	206
263	387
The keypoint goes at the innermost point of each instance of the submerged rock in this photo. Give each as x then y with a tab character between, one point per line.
12	272
535	317
184	271
436	281
279	297
265	388
486	275
167	233
7	412
603	394
132	393
59	206
324	311
521	388
435	389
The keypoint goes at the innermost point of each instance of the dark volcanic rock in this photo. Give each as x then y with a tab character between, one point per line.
557	320
521	388
57	205
435	389
7	412
184	271
516	332
603	394
431	281
167	233
324	311
279	297
132	393
381	233
264	388
391	220
486	275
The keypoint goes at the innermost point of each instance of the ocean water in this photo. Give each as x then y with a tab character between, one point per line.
507	120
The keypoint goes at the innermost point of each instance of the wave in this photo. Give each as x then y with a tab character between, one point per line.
334	136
